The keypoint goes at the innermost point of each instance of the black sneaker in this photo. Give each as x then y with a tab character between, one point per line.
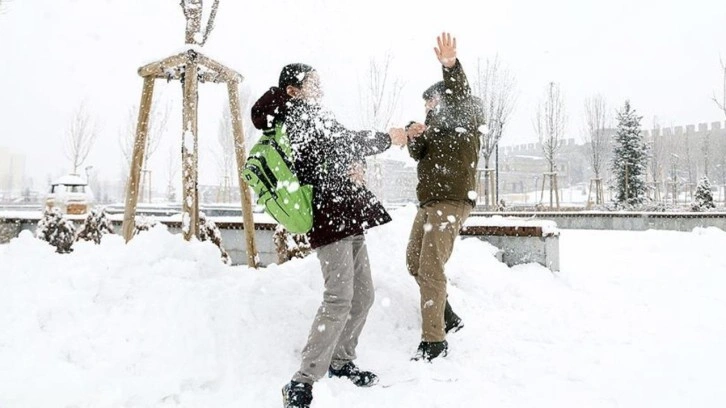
428	351
353	373
297	395
452	322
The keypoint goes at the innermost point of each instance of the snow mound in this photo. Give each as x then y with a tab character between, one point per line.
162	322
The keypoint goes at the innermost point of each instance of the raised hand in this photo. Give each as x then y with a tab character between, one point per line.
446	50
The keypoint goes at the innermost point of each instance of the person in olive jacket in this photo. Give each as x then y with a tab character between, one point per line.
446	148
329	157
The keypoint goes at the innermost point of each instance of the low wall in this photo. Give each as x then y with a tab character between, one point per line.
628	221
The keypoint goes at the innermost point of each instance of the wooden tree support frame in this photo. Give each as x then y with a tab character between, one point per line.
191	68
552	177
599	192
490	199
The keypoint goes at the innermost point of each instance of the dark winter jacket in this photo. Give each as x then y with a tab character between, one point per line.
448	151
324	152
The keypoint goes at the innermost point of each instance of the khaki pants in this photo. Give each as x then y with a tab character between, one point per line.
434	231
348	296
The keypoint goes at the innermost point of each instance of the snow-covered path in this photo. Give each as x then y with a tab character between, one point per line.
634	319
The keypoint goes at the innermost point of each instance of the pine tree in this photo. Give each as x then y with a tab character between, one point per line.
630	159
96	226
704	196
57	230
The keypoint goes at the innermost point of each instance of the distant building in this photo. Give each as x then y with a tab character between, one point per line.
12	174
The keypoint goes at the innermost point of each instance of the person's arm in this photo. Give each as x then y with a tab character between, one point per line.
367	143
455	81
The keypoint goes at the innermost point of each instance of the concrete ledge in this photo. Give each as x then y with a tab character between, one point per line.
519	241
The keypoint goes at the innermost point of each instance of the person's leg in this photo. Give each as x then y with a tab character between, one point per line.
336	261
363	296
444	220
413	250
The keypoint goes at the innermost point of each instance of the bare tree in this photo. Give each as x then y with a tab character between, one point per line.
158	121
225	157
224	153
495	87
379	96
550	124
721	99
688	155
172	168
596	121
658	151
720	166
705	152
80	137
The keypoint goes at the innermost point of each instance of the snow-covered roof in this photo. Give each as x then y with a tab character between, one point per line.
71	180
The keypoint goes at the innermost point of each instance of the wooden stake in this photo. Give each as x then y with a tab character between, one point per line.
557	191
241	153
588	204
190	202
137	162
160	68
492	189
229	75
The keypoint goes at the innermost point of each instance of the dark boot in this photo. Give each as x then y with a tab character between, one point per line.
297	395
452	322
428	351
353	373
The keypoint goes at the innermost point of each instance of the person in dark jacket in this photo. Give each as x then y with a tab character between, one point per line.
446	148
329	157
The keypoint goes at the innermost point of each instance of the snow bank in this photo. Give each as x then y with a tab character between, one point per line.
162	322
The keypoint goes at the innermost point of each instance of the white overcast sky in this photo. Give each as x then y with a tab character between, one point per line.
663	55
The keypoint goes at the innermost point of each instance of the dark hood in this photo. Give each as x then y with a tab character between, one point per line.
270	108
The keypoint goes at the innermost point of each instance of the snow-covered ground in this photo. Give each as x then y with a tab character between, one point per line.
635	319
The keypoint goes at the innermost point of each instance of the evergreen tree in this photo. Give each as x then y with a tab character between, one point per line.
57	230
630	159
704	196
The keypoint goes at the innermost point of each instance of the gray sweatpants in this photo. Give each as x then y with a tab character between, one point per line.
347	298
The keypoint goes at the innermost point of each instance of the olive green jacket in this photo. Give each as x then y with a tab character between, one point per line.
448	151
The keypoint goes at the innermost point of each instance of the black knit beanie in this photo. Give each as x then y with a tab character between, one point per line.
436	89
293	74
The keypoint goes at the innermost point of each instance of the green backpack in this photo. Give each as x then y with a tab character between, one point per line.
269	171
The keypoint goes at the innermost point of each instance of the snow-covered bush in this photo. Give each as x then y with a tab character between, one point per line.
144	223
208	231
290	245
96	226
57	230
